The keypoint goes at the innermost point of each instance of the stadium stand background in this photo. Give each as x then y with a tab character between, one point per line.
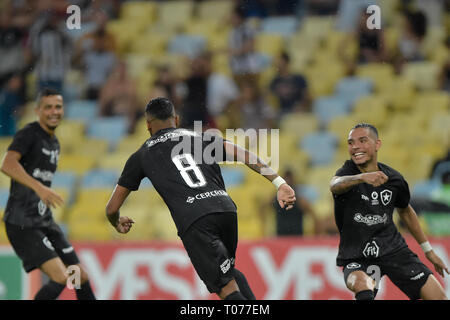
410	106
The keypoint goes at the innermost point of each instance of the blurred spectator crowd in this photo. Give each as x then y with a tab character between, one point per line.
309	67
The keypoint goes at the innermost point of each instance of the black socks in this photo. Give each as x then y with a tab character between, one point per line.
365	295
243	285
236	295
85	292
50	291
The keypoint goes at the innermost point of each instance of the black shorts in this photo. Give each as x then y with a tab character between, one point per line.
211	243
403	268
34	246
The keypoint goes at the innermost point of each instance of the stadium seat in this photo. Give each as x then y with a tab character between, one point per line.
327	108
219	10
99	178
284	26
175	14
84	110
138	10
64	179
317	27
269	43
320	146
114	161
431	102
399	93
187	44
380	73
151	44
90	231
424	75
309	192
70	133
340	127
5	181
76	163
371	109
232	176
299	124
111	129
4	195
323	76
440	169
353	88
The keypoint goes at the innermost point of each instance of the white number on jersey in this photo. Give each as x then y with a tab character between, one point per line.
185	164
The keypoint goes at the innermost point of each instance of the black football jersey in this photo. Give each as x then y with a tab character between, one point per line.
40	153
182	166
364	215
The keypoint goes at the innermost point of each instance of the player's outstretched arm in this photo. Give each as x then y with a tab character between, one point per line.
121	224
12	168
340	185
409	217
285	194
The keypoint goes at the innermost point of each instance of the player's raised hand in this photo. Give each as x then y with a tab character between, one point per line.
49	197
124	224
286	196
376	178
437	262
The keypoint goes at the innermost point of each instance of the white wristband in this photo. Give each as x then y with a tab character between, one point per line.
426	246
278	181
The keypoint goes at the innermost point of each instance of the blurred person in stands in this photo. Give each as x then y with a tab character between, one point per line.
94	53
194	105
119	97
444	77
190	181
410	45
253	110
31	162
442	195
290	222
371	46
322	7
11	104
365	193
290	89
166	85
50	65
245	63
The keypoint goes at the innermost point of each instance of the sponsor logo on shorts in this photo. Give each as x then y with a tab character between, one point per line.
417	277
225	266
369	219
386	196
67	250
205	195
48	244
371	250
353	265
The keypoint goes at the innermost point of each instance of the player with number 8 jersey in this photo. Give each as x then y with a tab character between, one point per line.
183	167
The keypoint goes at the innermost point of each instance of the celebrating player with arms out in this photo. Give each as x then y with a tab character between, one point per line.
31	162
194	191
366	192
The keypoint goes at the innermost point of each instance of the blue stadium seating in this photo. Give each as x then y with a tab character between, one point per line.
328	108
309	192
112	129
187	44
145	184
285	26
4	194
232	176
424	189
320	146
64	179
98	178
84	110
440	169
352	88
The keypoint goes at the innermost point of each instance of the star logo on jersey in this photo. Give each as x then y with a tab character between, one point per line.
386	196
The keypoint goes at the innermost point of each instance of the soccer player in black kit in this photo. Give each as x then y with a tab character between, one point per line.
366	192
31	162
190	182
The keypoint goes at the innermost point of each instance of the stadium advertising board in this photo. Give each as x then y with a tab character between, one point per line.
277	269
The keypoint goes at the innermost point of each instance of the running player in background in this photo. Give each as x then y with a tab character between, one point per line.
31	162
366	192
194	191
